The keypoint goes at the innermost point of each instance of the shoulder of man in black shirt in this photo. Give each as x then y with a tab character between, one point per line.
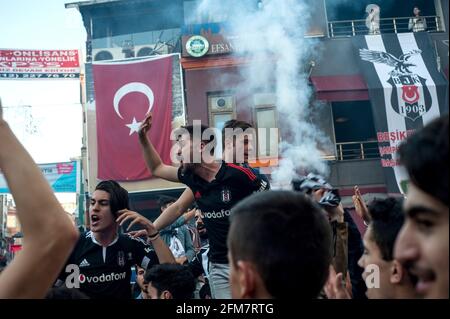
244	175
258	173
248	176
142	254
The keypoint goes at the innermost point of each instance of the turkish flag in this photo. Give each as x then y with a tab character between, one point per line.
125	92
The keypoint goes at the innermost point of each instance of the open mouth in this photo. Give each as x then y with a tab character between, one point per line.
94	220
422	280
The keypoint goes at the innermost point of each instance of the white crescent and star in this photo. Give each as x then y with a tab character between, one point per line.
134	126
130	88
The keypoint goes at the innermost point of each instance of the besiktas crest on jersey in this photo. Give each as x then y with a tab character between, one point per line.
121	258
226	195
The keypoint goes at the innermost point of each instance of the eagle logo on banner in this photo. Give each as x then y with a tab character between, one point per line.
415	98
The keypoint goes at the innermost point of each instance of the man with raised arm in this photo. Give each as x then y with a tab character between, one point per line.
215	186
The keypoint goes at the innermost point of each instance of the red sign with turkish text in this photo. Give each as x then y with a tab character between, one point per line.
26	64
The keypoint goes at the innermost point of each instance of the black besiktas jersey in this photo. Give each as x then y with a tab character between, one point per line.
105	271
215	199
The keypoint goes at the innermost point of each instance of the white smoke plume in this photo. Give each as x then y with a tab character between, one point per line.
272	32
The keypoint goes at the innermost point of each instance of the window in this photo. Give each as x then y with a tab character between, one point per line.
266	119
353	121
222	107
355	130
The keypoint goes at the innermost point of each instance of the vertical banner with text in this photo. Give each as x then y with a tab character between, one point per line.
406	92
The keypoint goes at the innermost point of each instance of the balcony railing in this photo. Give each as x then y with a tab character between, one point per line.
348	28
357	150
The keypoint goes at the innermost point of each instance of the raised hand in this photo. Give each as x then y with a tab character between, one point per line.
135	218
145	126
336	287
360	206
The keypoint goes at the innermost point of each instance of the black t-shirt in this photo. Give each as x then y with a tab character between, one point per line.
104	272
215	199
257	172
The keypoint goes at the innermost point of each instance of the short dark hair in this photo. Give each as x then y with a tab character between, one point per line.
118	195
425	156
175	278
386	221
287	237
190	130
164	200
234	124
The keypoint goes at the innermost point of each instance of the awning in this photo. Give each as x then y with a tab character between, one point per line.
340	88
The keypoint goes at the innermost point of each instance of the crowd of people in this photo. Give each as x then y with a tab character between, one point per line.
229	235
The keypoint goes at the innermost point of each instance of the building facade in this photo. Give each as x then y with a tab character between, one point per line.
212	76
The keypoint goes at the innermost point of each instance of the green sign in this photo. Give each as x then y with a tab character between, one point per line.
197	46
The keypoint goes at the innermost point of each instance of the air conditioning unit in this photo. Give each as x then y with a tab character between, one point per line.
222	103
150	49
107	54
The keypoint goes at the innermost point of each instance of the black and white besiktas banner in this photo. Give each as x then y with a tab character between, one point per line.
406	92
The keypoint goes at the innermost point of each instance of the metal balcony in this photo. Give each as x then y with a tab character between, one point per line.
357	151
349	28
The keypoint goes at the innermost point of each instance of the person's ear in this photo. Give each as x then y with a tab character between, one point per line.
246	278
396	272
198	147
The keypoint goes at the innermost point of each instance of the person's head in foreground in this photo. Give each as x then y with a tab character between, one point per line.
279	243
385	277
423	243
107	199
170	281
